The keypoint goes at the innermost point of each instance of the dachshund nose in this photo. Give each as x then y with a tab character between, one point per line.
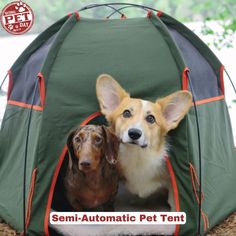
134	134
85	164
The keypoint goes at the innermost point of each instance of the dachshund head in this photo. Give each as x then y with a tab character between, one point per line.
89	145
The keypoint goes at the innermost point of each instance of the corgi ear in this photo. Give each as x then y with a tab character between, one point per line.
174	107
109	93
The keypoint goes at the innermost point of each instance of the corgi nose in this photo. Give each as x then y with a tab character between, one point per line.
134	134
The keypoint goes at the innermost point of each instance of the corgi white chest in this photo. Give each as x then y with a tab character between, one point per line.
144	169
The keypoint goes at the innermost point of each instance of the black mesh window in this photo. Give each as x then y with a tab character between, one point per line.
24	82
204	80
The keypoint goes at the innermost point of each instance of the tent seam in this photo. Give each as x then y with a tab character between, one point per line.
179	60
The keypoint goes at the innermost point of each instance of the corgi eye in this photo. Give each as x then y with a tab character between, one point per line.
127	114
150	119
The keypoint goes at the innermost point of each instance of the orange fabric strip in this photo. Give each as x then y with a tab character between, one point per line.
25	105
208	100
30	197
175	190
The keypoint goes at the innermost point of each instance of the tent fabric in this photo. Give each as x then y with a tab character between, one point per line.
148	57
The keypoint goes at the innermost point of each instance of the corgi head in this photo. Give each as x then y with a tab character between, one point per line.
139	122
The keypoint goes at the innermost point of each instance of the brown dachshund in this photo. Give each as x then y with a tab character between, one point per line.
91	179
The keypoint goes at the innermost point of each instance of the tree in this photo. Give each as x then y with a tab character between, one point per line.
224	16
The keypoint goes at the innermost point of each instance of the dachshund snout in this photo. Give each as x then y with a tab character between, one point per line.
85	164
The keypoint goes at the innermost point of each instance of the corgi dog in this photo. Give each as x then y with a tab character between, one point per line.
142	127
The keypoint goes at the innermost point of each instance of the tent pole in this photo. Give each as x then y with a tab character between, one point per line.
3	81
116	4
230	80
122	8
25	157
199	155
116	11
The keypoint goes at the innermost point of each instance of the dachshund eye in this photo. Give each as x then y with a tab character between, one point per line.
77	139
150	119
127	114
98	140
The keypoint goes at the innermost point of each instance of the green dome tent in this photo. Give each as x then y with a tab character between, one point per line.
52	89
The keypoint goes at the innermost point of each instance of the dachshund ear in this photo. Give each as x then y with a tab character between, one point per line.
71	148
111	146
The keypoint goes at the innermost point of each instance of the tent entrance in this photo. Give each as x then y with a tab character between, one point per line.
125	201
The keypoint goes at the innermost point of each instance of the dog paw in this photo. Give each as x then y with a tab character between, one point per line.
20	7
